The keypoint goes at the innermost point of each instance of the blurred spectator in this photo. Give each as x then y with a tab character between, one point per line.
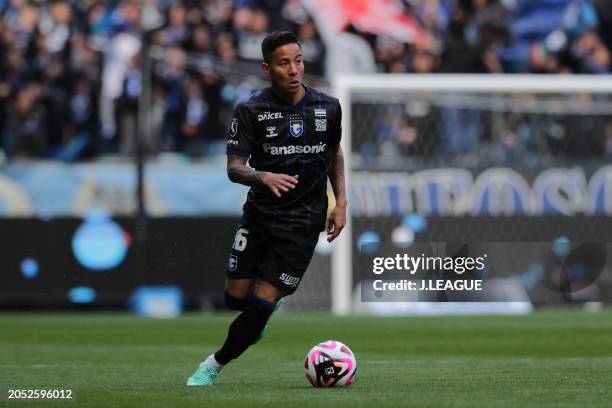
313	50
26	124
123	45
57	27
194	111
218	14
251	26
176	32
127	107
55	98
200	40
21	20
225	47
461	53
171	77
81	129
591	54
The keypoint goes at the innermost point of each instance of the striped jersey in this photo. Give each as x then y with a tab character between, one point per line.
279	137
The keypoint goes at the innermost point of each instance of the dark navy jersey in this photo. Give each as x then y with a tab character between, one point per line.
279	137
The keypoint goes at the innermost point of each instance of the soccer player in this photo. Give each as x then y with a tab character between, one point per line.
290	134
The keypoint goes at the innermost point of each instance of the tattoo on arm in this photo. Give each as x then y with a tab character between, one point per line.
336	176
239	172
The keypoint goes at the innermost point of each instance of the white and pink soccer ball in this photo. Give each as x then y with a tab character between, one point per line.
330	364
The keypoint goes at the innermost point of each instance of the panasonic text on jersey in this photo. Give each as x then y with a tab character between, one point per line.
293	149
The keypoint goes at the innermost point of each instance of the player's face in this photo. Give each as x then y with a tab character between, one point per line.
286	69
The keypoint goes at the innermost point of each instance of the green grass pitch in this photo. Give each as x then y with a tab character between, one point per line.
547	359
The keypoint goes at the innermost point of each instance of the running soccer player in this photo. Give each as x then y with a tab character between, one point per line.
290	134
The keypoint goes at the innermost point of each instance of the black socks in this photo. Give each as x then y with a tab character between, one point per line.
245	329
235	303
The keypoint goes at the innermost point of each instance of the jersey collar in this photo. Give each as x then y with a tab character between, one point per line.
302	101
298	105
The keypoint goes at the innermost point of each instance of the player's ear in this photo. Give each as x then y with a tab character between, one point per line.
265	67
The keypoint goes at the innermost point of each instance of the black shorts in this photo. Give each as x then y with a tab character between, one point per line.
272	251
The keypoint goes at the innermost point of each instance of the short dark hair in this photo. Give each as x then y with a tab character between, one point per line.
275	40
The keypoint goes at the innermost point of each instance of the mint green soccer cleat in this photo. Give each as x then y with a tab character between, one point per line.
265	329
204	375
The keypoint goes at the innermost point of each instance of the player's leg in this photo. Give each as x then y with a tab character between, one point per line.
244	331
277	305
239	284
237	292
267	291
247	326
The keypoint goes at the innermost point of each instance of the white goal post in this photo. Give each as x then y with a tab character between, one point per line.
343	87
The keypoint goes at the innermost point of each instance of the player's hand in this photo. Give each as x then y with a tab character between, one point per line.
279	184
336	222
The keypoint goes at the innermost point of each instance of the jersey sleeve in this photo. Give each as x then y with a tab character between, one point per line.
241	136
335	135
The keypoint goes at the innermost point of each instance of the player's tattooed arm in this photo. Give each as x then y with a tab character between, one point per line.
337	218
239	172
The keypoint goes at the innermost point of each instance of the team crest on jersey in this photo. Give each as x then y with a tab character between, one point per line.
234	127
296	128
232	263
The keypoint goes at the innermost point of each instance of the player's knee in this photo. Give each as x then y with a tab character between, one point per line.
259	306
235	303
269	292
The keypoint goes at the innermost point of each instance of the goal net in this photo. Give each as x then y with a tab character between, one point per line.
472	159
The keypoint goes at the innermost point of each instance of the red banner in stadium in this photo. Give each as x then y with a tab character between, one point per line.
383	17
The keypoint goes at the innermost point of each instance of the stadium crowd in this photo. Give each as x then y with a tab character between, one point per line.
70	71
504	36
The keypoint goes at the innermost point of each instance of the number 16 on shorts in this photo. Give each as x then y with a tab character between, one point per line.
240	243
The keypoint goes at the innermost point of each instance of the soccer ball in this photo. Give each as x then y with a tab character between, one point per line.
330	364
